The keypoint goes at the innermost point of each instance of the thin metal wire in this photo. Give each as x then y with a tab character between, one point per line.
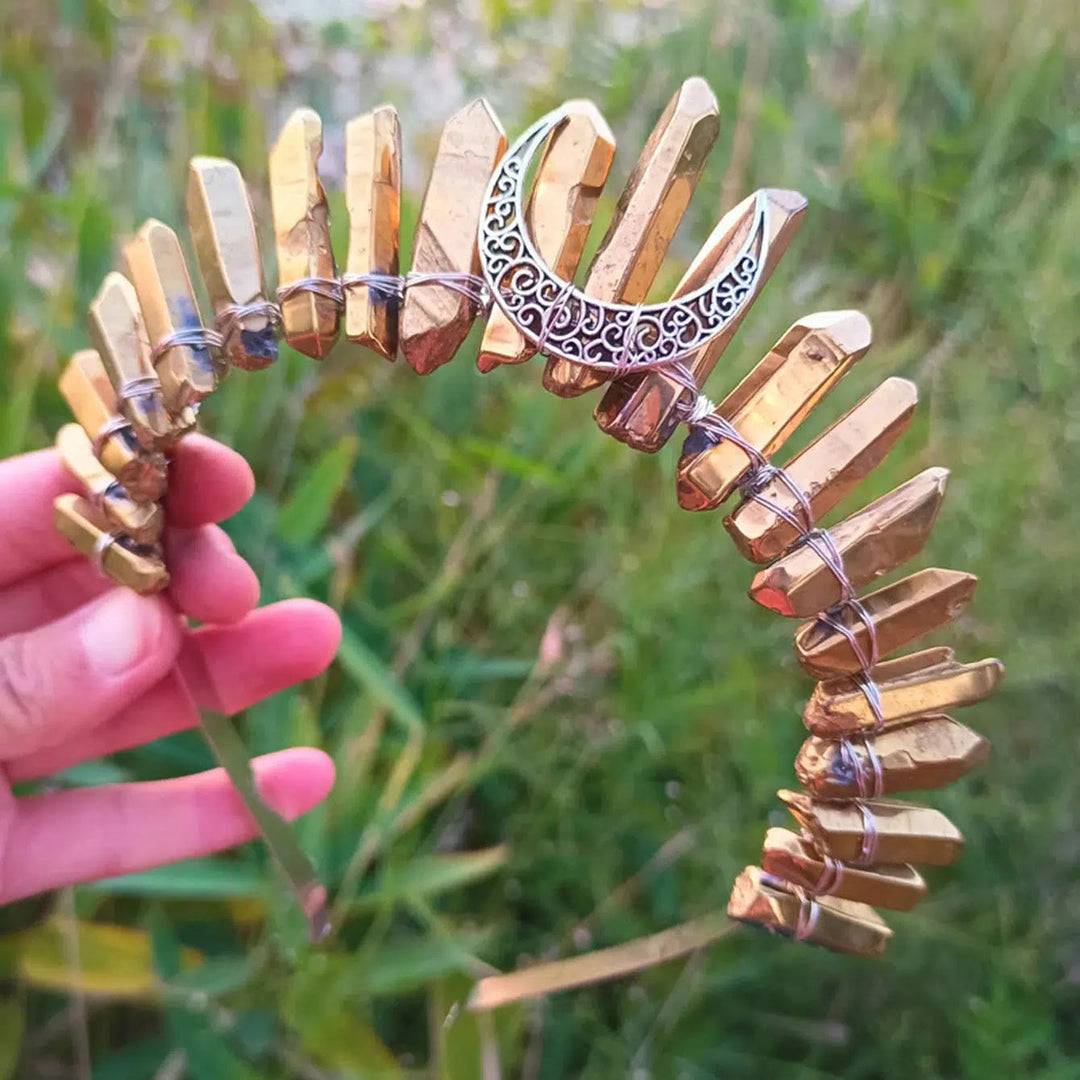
112	427
143	386
101	547
868	848
197	337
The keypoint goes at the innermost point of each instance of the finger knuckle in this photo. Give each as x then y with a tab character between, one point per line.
21	686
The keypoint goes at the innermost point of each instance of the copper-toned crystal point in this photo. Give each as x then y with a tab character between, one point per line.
917	756
789	857
143	522
302	234
647	216
643	410
136	566
227	248
569	180
118	330
373	195
877	539
839	925
155	264
771	402
90	396
923	684
435	319
900	613
826	471
873	831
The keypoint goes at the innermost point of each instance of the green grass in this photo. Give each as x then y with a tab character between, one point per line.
452	519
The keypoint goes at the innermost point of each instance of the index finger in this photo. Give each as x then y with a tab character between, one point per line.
208	482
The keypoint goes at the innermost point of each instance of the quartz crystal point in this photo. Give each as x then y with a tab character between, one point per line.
918	756
569	180
922	684
770	403
826	472
302	234
897	833
840	925
877	539
435	319
118	330
647	216
227	248
373	195
188	372
900	613
789	857
642	410
127	563
143	522
86	388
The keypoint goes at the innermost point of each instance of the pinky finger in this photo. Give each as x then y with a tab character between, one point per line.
71	836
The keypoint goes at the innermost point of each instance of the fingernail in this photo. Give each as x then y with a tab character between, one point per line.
120	632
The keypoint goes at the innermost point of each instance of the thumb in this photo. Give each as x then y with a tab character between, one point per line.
75	673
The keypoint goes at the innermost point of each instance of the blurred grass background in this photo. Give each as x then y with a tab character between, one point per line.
495	793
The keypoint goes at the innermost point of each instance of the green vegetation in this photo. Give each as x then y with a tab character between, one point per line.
456	520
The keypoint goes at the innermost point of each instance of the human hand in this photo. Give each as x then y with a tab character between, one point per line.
87	669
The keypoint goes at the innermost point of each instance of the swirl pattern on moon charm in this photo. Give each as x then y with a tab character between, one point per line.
560	320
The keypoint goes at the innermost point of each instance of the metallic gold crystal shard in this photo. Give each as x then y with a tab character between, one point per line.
302	234
642	410
127	563
826	471
877	539
435	319
143	522
227	247
117	327
92	400
899	832
789	857
647	216
900	613
373	196
906	691
771	402
918	756
569	178
155	264
839	925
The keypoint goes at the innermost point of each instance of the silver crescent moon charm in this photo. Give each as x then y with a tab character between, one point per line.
560	320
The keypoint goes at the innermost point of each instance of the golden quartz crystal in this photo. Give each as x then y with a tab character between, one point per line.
771	402
641	410
155	264
787	856
919	756
840	925
900	613
143	522
118	330
134	565
92	400
302	234
877	539
899	832
373	196
227	247
921	684
435	319
569	179
647	216
826	471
